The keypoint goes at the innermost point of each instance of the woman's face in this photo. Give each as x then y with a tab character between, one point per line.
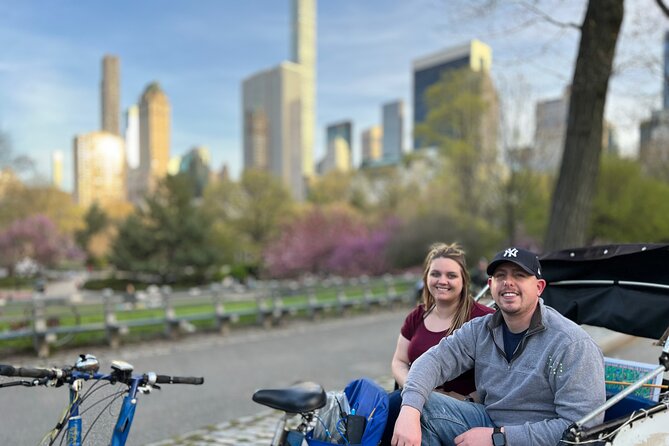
444	280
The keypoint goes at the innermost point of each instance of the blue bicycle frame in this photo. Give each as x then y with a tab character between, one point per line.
86	370
125	416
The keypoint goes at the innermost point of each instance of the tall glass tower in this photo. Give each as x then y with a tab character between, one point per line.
154	135
304	54
393	123
428	70
110	95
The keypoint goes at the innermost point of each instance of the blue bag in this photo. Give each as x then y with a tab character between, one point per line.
369	400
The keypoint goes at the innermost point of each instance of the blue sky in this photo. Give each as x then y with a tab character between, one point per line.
200	51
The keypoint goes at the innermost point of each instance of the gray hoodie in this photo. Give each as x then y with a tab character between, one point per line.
556	375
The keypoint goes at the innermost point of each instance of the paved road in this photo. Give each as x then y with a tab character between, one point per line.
332	352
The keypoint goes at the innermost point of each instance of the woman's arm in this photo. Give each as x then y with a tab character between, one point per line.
400	363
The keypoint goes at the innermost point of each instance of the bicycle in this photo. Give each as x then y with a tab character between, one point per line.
68	430
356	416
299	399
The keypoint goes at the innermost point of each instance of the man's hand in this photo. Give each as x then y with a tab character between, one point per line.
407	428
479	436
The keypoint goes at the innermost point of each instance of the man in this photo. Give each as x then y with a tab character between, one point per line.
536	371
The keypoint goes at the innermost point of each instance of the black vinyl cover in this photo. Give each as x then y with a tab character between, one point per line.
639	310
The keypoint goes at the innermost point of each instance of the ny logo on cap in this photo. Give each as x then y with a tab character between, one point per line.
511	252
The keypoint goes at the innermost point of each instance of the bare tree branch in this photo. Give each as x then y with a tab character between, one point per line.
20	163
550	19
663	7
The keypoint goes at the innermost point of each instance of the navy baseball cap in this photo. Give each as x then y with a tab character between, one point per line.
527	260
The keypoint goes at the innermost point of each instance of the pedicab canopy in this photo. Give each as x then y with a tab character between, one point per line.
624	288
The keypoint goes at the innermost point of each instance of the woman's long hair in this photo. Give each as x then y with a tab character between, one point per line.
454	252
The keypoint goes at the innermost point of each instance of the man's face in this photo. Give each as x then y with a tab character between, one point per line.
515	291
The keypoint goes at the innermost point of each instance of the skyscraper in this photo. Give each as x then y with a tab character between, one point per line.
132	136
654	132
393	123
304	54
272	110
134	184
278	108
57	169
339	155
196	164
154	136
99	169
110	96
654	143
475	56
550	130
372	140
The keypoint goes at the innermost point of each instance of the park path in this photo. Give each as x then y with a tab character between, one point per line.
257	429
332	352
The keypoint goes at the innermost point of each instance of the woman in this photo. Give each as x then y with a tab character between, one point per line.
447	305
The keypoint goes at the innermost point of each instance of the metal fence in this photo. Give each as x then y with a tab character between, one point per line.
55	321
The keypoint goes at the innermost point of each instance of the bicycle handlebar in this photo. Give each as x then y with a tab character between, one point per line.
164	379
27	372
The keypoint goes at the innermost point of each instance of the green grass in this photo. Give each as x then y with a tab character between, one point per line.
87	314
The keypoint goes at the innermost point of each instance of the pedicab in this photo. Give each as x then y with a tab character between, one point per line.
624	288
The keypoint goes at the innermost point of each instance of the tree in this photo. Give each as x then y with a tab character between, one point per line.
460	122
329	240
525	200
356	255
248	213
629	206
169	236
37	238
410	241
570	211
20	163
19	201
571	207
96	222
334	186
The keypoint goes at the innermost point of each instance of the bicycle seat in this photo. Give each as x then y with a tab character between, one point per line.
298	398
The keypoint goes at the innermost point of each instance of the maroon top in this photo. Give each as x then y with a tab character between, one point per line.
421	339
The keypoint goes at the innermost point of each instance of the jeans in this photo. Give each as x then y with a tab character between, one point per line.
444	418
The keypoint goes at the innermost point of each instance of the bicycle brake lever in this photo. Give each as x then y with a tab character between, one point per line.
35	382
146	389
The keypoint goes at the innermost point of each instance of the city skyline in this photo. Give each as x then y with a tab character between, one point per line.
49	76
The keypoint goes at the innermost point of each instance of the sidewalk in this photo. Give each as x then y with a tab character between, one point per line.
257	430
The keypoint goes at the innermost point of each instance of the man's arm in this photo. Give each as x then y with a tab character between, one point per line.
407	428
443	362
578	379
